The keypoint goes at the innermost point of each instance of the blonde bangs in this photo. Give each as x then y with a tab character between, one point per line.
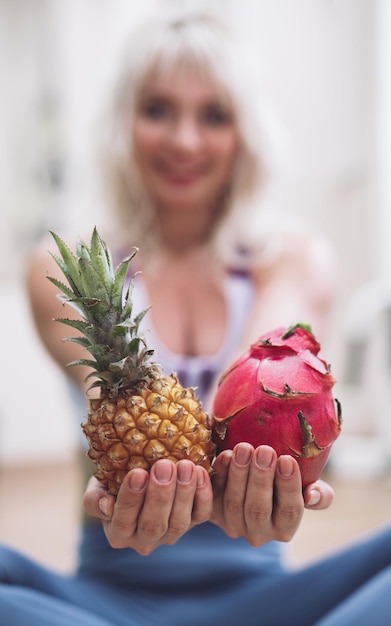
204	45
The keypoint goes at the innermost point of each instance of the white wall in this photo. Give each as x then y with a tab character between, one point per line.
35	409
367	441
56	57
317	58
382	48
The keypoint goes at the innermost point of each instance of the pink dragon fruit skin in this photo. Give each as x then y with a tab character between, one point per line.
279	393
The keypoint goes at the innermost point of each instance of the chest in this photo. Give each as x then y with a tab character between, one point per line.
189	314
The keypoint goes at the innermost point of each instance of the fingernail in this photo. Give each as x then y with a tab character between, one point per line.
137	480
163	471
103	505
314	497
285	466
226	457
200	477
264	457
185	472
242	455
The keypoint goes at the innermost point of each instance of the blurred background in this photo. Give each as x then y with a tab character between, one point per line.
326	65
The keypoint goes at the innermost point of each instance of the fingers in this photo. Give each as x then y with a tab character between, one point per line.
220	471
263	498
96	501
219	481
259	498
203	500
318	496
152	521
152	508
249	491
289	504
169	513
257	495
177	512
123	521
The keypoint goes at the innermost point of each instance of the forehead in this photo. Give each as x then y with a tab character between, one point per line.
184	82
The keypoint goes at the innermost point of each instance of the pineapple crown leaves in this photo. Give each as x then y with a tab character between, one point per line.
98	292
132	371
91	276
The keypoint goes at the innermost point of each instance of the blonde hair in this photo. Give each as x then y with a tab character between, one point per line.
205	43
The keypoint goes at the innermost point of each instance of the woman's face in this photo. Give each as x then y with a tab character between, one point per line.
185	142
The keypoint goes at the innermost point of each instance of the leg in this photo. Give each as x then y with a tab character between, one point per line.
20	606
332	580
34	595
309	594
370	604
20	571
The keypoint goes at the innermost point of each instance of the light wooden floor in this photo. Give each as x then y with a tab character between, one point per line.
39	512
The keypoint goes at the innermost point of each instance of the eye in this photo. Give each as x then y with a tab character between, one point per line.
216	115
155	109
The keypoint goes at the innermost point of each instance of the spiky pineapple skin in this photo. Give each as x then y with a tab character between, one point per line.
141	415
161	420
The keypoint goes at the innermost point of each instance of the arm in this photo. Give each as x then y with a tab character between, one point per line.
250	498
252	493
298	284
46	307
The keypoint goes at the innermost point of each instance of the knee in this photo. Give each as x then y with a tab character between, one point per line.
12	564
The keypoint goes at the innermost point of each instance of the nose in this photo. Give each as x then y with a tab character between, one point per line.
187	134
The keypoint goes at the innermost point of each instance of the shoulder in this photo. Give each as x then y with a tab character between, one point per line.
308	251
298	260
41	264
40	261
42	257
290	244
295	277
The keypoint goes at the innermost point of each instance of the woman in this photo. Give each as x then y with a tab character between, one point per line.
185	158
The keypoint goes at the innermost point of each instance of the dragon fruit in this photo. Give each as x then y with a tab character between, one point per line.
279	393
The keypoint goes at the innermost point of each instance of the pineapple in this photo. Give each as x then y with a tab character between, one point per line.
141	415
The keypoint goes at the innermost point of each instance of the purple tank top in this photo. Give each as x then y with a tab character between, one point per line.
201	371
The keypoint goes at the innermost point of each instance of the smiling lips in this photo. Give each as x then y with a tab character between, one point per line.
179	175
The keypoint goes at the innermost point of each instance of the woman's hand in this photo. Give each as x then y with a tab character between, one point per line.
152	508
255	496
259	496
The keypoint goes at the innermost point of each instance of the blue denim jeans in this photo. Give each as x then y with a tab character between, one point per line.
205	579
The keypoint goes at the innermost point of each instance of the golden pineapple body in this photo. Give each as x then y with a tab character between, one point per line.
163	420
141	415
